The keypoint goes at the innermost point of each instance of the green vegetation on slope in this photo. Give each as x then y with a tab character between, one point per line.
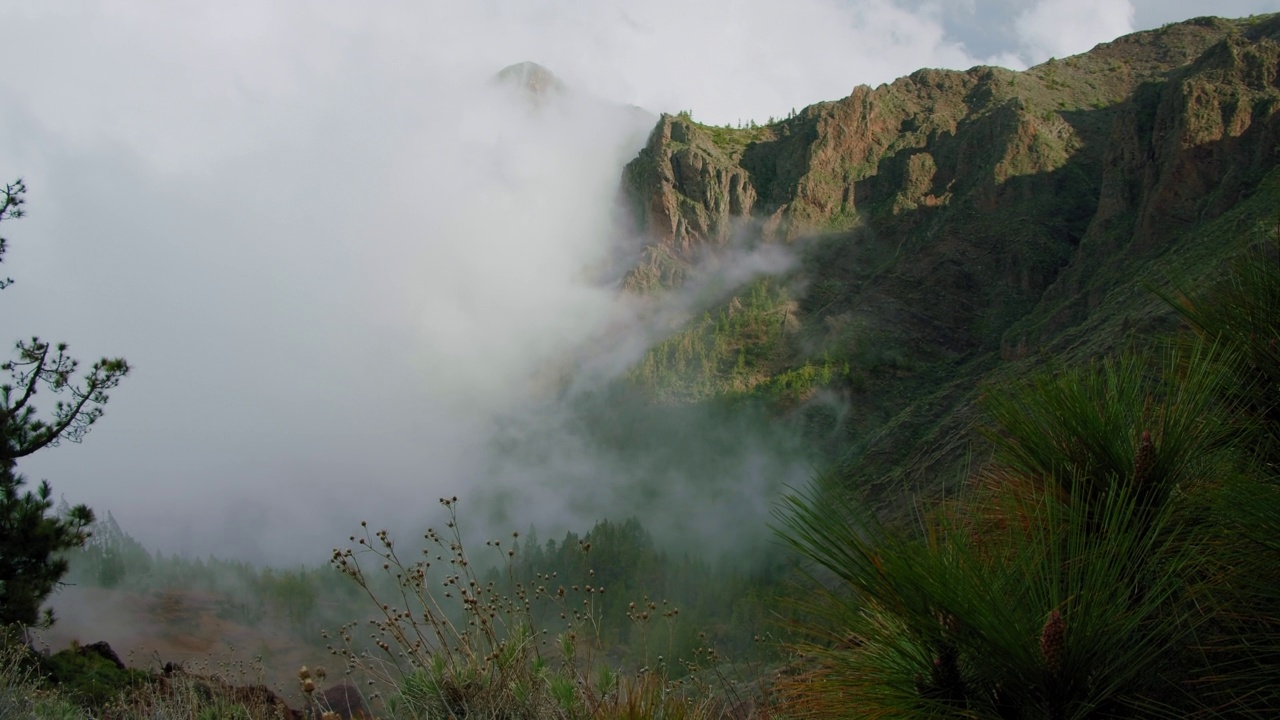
956	230
1103	563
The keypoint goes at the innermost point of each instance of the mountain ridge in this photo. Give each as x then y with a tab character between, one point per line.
955	226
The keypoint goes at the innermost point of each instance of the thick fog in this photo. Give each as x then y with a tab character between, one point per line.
353	274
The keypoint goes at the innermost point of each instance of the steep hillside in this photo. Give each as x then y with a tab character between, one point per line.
954	228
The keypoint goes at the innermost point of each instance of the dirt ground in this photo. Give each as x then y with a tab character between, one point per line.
148	630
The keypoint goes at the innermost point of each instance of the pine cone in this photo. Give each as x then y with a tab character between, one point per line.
1052	639
1142	461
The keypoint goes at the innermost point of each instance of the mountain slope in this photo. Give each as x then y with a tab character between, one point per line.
954	228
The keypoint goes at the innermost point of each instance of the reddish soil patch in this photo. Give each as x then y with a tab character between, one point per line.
188	628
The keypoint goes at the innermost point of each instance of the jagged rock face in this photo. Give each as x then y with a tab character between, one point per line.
1214	130
924	140
684	192
1181	152
987	180
952	222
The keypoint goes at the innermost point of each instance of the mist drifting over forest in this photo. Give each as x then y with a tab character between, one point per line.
354	274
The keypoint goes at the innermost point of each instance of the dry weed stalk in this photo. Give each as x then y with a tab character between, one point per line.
447	642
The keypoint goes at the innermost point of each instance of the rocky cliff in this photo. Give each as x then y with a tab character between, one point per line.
953	224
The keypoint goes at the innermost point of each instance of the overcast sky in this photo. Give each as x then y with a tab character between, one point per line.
335	254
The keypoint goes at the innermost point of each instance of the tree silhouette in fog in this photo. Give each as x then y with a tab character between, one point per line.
32	539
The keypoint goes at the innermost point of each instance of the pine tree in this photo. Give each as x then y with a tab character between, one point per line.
32	539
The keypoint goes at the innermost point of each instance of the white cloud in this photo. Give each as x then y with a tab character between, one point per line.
1057	28
333	251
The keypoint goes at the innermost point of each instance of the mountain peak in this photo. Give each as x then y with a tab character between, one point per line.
535	80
